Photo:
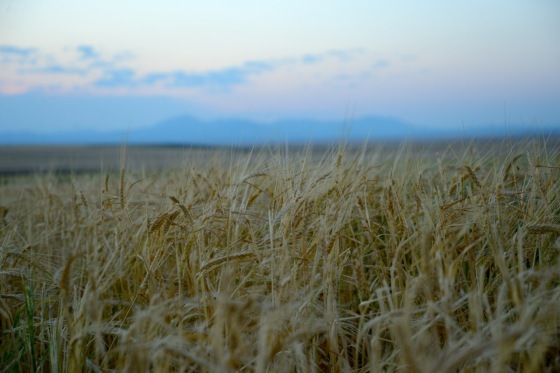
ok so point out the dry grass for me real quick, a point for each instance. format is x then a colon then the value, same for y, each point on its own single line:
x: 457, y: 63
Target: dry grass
x: 343, y: 260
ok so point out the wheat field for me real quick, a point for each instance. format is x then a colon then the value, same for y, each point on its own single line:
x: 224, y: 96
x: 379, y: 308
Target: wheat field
x: 408, y: 258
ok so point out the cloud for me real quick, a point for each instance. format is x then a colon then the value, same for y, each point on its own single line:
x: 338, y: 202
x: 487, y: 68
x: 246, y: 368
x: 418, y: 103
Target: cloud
x: 87, y: 52
x: 16, y: 51
x: 310, y: 59
x: 83, y: 60
x: 95, y: 70
x: 117, y: 78
x: 10, y: 54
x: 59, y: 69
x: 224, y: 78
x: 217, y: 79
x: 257, y: 67
x: 88, y: 68
x: 343, y: 55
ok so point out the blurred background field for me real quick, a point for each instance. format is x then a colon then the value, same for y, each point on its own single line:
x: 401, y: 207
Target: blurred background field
x: 78, y: 159
x: 29, y: 159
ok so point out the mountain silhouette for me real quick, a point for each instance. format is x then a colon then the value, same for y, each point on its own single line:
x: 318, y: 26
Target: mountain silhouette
x: 240, y: 131
x: 189, y: 130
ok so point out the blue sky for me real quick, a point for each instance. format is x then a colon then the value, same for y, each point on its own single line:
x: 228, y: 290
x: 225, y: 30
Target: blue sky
x: 103, y: 64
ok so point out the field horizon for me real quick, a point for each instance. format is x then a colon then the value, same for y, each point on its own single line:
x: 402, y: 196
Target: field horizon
x: 21, y: 159
x: 398, y: 256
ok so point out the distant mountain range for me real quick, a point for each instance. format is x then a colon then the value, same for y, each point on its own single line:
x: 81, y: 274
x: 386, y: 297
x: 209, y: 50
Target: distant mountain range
x: 238, y: 131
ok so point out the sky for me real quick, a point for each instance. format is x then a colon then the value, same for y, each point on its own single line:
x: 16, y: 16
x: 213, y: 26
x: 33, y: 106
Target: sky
x: 105, y: 64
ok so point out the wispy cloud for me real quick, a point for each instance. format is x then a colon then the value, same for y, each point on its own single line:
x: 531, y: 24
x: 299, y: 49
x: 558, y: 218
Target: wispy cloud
x: 343, y: 55
x: 10, y: 54
x: 16, y: 51
x: 223, y: 79
x: 59, y: 70
x: 80, y: 60
x: 311, y: 59
x: 86, y: 67
x: 117, y: 78
x: 219, y: 78
x: 87, y: 52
